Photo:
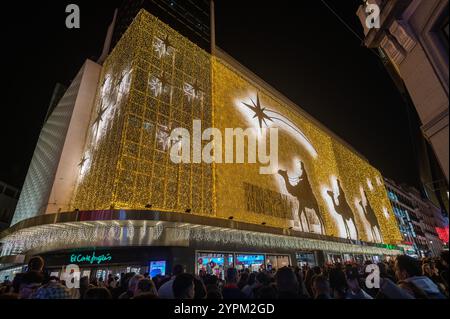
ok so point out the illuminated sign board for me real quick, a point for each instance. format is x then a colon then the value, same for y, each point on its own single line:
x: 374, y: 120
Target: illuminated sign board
x: 157, y: 268
x: 90, y: 258
x: 250, y: 259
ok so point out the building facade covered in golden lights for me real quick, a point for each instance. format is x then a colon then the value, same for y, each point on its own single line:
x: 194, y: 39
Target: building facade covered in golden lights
x: 114, y: 191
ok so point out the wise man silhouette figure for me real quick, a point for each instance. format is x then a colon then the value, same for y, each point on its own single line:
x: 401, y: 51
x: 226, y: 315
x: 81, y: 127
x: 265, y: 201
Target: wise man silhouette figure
x: 370, y: 216
x: 305, y: 196
x: 344, y: 210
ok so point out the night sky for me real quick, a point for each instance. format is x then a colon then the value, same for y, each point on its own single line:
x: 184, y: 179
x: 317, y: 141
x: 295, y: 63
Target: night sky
x: 303, y: 51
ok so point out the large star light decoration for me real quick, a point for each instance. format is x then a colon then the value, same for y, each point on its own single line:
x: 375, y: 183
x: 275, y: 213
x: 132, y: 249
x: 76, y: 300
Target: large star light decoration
x: 82, y: 162
x: 99, y: 117
x: 259, y: 111
x: 193, y: 91
x: 163, y: 46
x: 269, y: 118
x: 158, y: 83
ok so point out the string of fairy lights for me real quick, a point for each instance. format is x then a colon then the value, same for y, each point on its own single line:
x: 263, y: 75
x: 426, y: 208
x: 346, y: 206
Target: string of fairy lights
x: 334, y: 162
x: 112, y: 233
x: 169, y: 87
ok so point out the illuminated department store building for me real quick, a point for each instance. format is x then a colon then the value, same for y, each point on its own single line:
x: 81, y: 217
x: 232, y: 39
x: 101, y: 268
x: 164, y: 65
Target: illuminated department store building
x: 102, y: 183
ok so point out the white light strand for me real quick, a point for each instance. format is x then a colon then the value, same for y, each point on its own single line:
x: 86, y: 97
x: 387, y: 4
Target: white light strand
x: 43, y: 237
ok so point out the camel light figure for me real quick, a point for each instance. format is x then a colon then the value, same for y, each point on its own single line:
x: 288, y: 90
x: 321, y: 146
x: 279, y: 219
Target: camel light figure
x: 344, y: 210
x: 304, y: 194
x: 369, y: 213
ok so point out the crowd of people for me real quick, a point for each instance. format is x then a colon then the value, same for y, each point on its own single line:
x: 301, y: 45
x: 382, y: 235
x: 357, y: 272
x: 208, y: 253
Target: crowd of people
x: 400, y: 278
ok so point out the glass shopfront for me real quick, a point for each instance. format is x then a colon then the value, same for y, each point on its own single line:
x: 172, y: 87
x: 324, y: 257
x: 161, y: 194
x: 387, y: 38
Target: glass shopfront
x: 102, y: 272
x: 306, y: 259
x: 214, y: 263
x: 253, y: 263
x: 9, y: 274
x: 376, y: 259
x: 351, y: 258
x: 274, y: 262
x: 101, y: 263
x: 334, y: 258
x: 359, y: 259
x: 348, y: 258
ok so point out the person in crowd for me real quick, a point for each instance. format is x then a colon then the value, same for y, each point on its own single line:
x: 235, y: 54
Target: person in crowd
x: 243, y: 279
x: 385, y: 272
x: 410, y: 278
x: 94, y: 282
x: 247, y: 290
x: 354, y: 290
x: 25, y: 288
x: 268, y: 292
x: 211, y: 280
x: 213, y: 291
x: 183, y: 286
x: 308, y: 280
x: 302, y: 291
x: 145, y: 286
x: 31, y: 282
x: 202, y: 274
x: 321, y: 287
x: 6, y: 288
x: 338, y: 283
x: 390, y: 290
x: 199, y: 289
x: 17, y: 281
x: 132, y: 287
x: 262, y: 279
x: 430, y: 270
x: 110, y: 282
x: 54, y: 289
x: 310, y: 273
x: 166, y: 289
x: 444, y: 261
x: 122, y: 285
x: 231, y: 289
x: 36, y: 263
x: 287, y: 284
x: 84, y: 286
x: 97, y: 293
x: 157, y: 280
x: 101, y: 282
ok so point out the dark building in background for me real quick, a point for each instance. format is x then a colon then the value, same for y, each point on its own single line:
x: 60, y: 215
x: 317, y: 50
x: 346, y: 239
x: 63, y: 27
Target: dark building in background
x: 8, y: 201
x: 191, y: 18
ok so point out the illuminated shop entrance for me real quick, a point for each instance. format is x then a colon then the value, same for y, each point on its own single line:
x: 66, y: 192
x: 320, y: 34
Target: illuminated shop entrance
x: 214, y: 263
x: 102, y: 273
x: 306, y: 259
x: 333, y: 258
x: 276, y: 262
